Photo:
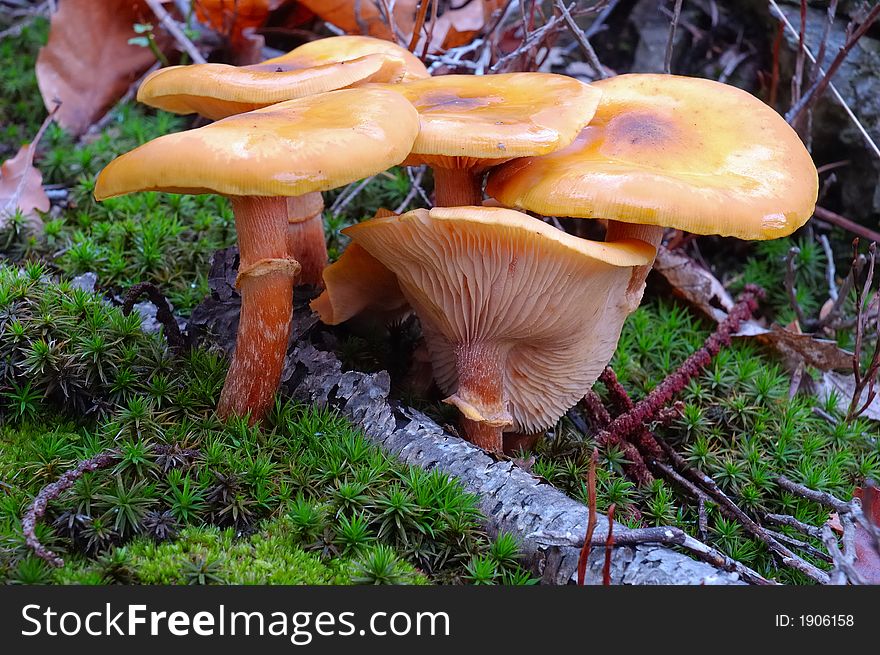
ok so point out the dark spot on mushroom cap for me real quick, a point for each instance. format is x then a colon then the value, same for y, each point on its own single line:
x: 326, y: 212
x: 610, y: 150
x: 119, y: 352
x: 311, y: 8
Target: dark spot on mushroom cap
x: 441, y: 100
x: 643, y: 129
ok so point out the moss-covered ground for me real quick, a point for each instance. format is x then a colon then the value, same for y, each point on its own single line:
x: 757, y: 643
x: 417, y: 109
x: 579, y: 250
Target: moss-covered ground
x: 305, y: 498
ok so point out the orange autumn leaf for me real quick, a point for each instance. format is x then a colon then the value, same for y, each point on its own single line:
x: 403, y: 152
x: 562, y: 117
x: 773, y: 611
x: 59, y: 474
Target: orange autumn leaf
x: 364, y: 17
x: 21, y: 185
x: 232, y: 17
x: 88, y: 63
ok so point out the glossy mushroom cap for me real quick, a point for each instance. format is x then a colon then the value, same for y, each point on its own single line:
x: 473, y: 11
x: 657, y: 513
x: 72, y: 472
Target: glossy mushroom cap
x: 289, y: 149
x: 470, y: 121
x: 519, y: 317
x: 219, y: 90
x: 672, y: 151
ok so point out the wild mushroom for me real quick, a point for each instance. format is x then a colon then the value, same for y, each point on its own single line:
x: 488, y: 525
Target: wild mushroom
x: 669, y: 151
x: 257, y: 159
x: 519, y: 317
x: 217, y: 90
x: 472, y: 122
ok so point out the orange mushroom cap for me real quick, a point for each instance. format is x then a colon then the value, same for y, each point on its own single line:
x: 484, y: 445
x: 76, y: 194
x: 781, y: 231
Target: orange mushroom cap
x: 471, y: 121
x: 673, y: 151
x: 219, y: 90
x: 510, y: 297
x: 289, y: 149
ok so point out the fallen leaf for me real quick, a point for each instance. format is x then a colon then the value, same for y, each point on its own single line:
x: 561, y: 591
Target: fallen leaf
x: 232, y: 18
x: 88, y: 63
x: 364, y: 17
x: 458, y: 27
x: 823, y: 354
x: 694, y: 284
x: 844, y: 386
x: 21, y: 185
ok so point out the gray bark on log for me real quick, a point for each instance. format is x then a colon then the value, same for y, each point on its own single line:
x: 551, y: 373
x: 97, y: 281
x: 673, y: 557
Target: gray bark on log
x: 550, y: 525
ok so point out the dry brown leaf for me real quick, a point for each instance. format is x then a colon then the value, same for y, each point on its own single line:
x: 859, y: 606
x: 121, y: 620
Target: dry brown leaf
x: 693, y: 283
x: 21, y: 185
x: 823, y: 354
x: 88, y: 63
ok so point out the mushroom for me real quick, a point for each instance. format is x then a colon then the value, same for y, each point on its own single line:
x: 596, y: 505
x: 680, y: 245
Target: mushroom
x: 669, y: 151
x: 217, y: 90
x: 257, y: 159
x: 472, y: 122
x: 519, y: 317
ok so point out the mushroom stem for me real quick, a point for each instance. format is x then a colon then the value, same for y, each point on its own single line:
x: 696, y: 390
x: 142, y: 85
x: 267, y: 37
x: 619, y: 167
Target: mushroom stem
x: 652, y: 234
x: 480, y: 395
x: 265, y: 279
x: 305, y: 236
x: 457, y: 187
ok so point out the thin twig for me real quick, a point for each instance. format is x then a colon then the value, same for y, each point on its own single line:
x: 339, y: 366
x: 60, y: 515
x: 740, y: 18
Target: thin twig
x: 839, y: 98
x: 50, y: 492
x: 815, y: 92
x: 847, y: 224
x: 670, y: 43
x: 581, y: 38
x: 176, y: 33
x: 609, y: 547
x: 790, y: 288
x: 592, y: 519
x: 670, y: 536
x: 163, y: 311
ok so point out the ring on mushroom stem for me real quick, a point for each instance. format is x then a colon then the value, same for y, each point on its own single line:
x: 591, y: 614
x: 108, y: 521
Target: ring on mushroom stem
x: 218, y: 91
x: 258, y: 159
x: 470, y: 123
x: 519, y: 317
x: 670, y: 151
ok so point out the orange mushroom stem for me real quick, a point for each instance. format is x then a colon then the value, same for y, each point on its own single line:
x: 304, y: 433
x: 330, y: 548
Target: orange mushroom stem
x: 457, y: 187
x: 266, y: 275
x: 480, y: 396
x: 305, y: 236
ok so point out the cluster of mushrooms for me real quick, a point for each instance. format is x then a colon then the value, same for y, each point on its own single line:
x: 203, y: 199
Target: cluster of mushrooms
x: 519, y: 317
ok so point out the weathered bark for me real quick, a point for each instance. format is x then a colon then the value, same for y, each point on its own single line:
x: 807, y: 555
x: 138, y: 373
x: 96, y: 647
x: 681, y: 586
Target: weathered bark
x: 550, y: 525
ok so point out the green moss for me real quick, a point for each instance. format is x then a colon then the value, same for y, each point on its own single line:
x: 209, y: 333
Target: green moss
x: 21, y: 107
x: 738, y: 424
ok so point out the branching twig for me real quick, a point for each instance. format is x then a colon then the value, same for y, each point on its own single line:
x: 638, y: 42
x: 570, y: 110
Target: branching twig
x: 582, y: 39
x: 669, y: 536
x: 174, y: 30
x: 778, y: 13
x: 163, y: 310
x: 647, y: 409
x: 815, y: 92
x: 52, y: 491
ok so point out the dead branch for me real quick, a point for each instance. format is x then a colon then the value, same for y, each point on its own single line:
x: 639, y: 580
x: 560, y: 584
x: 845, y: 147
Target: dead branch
x: 581, y: 38
x: 846, y: 223
x: 591, y: 522
x: 163, y: 311
x: 176, y: 33
x: 818, y: 89
x: 670, y: 43
x: 675, y: 537
x: 37, y: 508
